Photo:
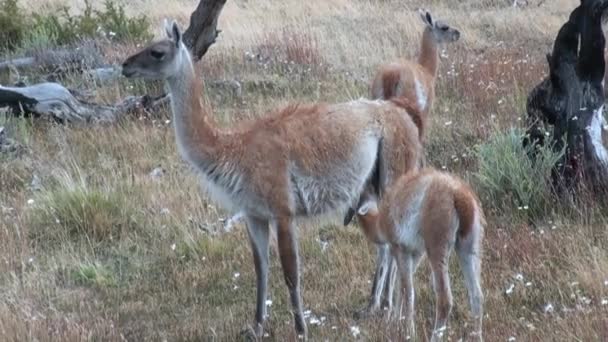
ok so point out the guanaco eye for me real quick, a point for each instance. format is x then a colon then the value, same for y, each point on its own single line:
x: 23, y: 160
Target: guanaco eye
x: 444, y: 28
x: 157, y: 54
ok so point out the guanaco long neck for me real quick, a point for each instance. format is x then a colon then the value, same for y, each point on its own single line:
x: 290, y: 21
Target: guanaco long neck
x: 197, y: 137
x: 429, y: 52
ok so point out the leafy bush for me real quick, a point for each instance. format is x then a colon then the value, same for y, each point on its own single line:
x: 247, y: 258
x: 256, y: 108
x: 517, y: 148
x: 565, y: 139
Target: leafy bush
x: 508, y: 178
x: 59, y: 27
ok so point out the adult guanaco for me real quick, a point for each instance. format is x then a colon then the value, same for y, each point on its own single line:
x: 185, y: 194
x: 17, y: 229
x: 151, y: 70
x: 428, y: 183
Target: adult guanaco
x: 415, y: 80
x: 301, y: 161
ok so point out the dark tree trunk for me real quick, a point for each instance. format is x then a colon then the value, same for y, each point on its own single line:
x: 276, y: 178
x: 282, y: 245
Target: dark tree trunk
x: 571, y: 102
x: 202, y: 32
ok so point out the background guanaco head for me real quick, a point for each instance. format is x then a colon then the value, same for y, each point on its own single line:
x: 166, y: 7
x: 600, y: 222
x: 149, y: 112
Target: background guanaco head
x: 442, y: 32
x: 160, y: 60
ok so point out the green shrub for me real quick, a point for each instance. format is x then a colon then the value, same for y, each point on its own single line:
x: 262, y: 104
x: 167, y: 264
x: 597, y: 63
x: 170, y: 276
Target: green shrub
x: 59, y: 27
x: 508, y: 178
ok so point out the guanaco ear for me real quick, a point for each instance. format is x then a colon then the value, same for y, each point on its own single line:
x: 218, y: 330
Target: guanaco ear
x: 426, y: 17
x: 369, y: 207
x: 173, y: 31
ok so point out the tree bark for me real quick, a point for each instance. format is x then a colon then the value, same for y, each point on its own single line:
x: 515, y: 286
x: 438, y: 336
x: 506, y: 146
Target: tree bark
x: 202, y: 32
x: 570, y: 102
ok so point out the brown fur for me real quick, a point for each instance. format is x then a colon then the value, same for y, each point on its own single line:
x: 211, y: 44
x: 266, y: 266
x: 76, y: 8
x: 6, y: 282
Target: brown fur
x: 439, y: 200
x: 413, y: 110
x: 257, y: 166
x: 397, y: 79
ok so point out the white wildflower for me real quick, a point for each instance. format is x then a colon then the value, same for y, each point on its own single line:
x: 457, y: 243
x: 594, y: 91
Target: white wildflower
x: 509, y: 290
x: 30, y: 201
x: 548, y: 308
x: 355, y: 331
x: 268, y: 302
x: 173, y: 247
x: 448, y: 123
x: 157, y: 173
x: 236, y: 275
x: 511, y: 339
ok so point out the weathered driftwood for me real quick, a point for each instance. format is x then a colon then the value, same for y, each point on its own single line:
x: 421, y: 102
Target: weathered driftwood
x: 54, y: 101
x: 570, y: 101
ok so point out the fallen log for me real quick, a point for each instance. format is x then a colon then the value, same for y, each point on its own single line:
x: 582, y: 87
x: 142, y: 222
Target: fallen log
x: 54, y: 101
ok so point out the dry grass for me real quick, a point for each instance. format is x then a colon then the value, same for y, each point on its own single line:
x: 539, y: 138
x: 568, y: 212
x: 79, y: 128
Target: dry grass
x: 102, y: 250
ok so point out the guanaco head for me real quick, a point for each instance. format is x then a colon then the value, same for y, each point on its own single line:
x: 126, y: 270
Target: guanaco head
x: 369, y: 217
x: 161, y: 59
x: 441, y: 31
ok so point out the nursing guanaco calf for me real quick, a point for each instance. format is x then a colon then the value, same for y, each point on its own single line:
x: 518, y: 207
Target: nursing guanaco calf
x: 430, y: 212
x: 301, y: 161
x: 415, y: 80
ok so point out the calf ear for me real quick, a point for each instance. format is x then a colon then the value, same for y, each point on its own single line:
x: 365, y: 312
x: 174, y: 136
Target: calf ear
x: 369, y: 207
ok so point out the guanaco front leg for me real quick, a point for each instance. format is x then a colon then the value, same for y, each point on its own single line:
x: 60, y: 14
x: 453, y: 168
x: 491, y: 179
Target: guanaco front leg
x: 288, y: 251
x: 258, y: 235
